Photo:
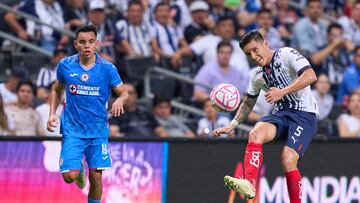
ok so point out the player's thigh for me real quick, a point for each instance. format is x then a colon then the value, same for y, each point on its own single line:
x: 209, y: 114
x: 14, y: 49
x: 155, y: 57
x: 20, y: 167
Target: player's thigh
x: 72, y: 152
x: 262, y: 132
x: 301, y: 130
x: 97, y: 154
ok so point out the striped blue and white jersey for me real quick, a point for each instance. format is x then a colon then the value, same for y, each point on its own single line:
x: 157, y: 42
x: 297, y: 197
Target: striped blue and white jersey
x: 285, y: 67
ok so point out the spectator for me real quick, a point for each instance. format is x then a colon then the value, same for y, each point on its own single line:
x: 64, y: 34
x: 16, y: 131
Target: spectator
x: 50, y: 12
x: 201, y: 24
x: 349, y: 123
x: 206, y: 46
x: 310, y: 31
x: 47, y: 75
x: 27, y: 121
x: 6, y: 122
x: 106, y: 29
x: 180, y: 12
x: 219, y: 71
x: 217, y: 10
x: 134, y: 33
x: 75, y: 14
x: 261, y: 108
x: 172, y: 124
x: 211, y: 121
x: 351, y: 79
x: 321, y: 94
x: 3, y: 25
x: 8, y: 89
x: 285, y: 20
x: 335, y: 56
x: 44, y: 111
x: 136, y: 121
x: 352, y: 25
x: 265, y: 26
x: 167, y: 38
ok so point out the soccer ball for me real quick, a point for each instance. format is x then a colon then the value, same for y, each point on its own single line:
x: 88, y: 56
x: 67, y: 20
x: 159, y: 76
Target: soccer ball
x: 225, y: 97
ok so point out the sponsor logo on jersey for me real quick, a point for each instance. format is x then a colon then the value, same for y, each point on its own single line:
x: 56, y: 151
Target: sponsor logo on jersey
x: 72, y: 88
x: 84, y: 77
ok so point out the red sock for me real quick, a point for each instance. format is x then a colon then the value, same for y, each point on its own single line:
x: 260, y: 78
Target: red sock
x: 253, y: 161
x: 293, y: 180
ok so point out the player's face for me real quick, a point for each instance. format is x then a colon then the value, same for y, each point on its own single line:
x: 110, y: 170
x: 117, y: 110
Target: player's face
x: 258, y: 52
x: 86, y: 44
x: 25, y: 94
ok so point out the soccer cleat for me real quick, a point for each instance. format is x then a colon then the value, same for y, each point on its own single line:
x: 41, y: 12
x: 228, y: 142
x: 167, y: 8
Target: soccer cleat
x: 81, y: 179
x: 241, y: 186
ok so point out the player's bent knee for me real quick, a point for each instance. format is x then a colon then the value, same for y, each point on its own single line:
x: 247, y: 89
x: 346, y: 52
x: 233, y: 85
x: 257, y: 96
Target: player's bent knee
x: 254, y: 136
x: 69, y: 177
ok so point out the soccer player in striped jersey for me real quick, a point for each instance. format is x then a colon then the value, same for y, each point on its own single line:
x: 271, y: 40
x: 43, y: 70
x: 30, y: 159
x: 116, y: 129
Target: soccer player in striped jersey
x: 285, y: 75
x: 87, y: 79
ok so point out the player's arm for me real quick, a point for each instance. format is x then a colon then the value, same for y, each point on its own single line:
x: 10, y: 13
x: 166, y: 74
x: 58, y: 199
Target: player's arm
x: 241, y: 115
x: 118, y: 106
x: 55, y: 96
x: 306, y: 78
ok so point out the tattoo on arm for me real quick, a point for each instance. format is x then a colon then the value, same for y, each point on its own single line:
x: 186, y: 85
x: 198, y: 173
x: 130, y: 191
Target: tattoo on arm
x: 245, y: 109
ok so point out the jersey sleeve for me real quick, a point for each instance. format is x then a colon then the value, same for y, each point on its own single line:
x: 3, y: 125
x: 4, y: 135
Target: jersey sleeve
x: 254, y: 86
x: 60, y: 72
x: 115, y: 79
x: 295, y: 60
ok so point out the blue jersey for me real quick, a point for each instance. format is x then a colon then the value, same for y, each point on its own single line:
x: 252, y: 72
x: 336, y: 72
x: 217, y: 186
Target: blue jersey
x: 87, y: 92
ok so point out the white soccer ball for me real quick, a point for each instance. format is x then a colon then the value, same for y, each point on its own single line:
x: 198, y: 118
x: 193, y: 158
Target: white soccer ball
x: 225, y: 97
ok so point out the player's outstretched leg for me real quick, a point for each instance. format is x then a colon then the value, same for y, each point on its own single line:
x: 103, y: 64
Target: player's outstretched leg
x: 95, y: 192
x: 263, y: 132
x: 81, y: 179
x: 289, y: 160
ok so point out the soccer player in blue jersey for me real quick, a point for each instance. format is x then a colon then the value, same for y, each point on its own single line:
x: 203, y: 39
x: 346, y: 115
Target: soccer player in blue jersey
x: 87, y: 79
x: 285, y: 75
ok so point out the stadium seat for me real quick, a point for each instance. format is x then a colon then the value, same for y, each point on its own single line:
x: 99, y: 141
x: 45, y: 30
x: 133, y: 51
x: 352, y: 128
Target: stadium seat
x: 5, y: 65
x: 31, y: 61
x: 136, y: 67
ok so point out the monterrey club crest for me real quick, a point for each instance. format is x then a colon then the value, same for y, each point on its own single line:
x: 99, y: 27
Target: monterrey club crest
x: 72, y: 89
x: 84, y: 77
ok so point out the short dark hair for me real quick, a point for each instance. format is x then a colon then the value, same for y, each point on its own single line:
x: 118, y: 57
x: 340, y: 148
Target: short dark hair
x: 248, y: 37
x: 224, y: 43
x: 312, y: 1
x: 265, y: 11
x: 158, y: 99
x: 332, y: 26
x: 356, y: 49
x: 86, y: 28
x: 25, y: 82
x: 160, y: 4
x: 135, y: 2
x: 224, y: 18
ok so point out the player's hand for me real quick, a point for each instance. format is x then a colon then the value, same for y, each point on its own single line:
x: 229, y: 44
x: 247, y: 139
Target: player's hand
x: 225, y: 130
x: 117, y: 108
x: 52, y: 123
x: 274, y: 95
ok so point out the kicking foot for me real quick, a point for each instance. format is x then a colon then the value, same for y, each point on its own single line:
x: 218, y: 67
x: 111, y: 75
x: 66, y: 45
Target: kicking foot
x: 81, y: 179
x: 241, y: 186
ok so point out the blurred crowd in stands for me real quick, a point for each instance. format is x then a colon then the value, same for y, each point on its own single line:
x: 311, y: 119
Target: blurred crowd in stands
x: 193, y: 38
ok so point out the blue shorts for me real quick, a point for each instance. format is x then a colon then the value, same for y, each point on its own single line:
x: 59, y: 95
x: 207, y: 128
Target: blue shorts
x: 298, y: 128
x: 73, y: 149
